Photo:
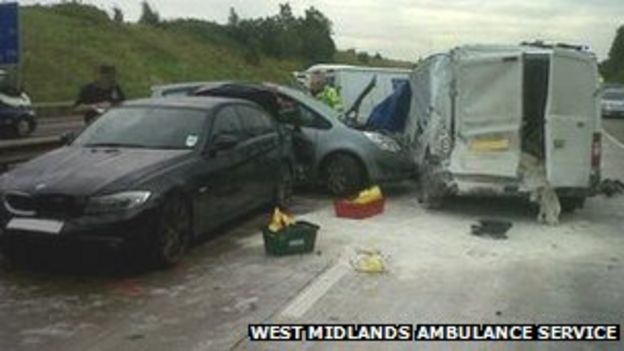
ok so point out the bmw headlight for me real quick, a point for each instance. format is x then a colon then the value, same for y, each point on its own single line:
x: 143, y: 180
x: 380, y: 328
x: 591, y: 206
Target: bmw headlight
x: 117, y: 202
x: 383, y: 142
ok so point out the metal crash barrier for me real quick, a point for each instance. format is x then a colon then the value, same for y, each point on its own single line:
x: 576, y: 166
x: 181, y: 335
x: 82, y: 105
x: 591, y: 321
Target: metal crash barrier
x: 17, y: 151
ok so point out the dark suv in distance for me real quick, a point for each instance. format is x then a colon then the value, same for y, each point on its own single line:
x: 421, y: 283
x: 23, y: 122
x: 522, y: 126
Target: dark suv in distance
x: 17, y: 116
x: 149, y: 176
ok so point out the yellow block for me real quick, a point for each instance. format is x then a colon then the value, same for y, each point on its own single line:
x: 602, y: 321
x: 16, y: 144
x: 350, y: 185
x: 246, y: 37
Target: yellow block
x: 494, y: 144
x: 279, y: 220
x: 368, y: 195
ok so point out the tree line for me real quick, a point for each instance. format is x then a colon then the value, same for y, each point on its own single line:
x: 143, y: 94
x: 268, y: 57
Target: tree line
x: 612, y: 69
x: 283, y: 35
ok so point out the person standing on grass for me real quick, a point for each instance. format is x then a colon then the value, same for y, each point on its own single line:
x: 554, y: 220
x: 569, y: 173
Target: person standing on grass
x: 100, y: 95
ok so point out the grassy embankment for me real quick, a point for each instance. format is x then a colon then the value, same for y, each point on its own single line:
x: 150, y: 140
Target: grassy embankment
x: 62, y: 45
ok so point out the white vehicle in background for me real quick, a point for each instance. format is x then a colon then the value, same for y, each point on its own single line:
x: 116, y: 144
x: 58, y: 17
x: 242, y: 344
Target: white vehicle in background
x: 352, y: 81
x: 507, y: 120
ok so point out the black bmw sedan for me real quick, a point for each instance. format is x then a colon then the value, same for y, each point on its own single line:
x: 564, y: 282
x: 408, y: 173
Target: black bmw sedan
x: 150, y: 175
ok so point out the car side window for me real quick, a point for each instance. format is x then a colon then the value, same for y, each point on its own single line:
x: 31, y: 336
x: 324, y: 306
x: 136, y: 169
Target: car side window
x: 226, y: 122
x: 254, y: 121
x: 292, y: 112
x: 306, y: 116
x: 312, y: 120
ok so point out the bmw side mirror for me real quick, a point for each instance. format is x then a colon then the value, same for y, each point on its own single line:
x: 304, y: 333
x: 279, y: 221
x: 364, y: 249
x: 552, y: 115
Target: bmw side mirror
x: 68, y: 137
x: 223, y: 142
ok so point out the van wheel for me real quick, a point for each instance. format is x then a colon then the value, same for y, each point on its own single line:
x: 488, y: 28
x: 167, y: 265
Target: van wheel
x: 432, y: 189
x: 284, y: 188
x: 174, y: 232
x: 571, y: 203
x: 344, y: 175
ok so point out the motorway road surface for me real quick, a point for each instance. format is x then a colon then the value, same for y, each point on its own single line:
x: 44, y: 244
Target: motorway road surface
x: 436, y: 272
x: 615, y: 127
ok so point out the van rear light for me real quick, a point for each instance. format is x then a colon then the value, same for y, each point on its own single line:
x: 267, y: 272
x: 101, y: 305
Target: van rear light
x: 596, y: 154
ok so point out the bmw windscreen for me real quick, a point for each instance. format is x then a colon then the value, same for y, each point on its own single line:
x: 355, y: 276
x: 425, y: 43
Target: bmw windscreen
x: 146, y: 127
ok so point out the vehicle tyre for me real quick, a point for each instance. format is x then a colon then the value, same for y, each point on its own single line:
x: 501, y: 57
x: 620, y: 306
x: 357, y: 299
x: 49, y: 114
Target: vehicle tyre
x: 23, y: 128
x: 571, y: 203
x: 344, y: 175
x: 284, y: 189
x: 432, y: 188
x: 174, y: 232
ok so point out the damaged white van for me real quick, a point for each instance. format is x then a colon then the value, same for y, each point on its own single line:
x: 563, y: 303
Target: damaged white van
x: 517, y: 120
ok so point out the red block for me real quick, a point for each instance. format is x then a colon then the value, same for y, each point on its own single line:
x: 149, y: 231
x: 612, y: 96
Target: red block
x: 347, y: 209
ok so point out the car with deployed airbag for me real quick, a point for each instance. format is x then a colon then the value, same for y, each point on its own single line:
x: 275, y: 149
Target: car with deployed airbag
x: 149, y: 176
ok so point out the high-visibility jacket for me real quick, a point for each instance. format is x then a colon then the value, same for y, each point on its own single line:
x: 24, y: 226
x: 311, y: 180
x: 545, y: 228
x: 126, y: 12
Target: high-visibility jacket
x: 329, y: 95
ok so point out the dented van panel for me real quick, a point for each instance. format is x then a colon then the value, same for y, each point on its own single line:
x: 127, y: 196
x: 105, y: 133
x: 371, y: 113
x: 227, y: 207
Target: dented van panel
x: 507, y: 120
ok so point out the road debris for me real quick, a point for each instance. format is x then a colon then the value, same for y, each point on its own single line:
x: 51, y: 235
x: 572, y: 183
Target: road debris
x: 367, y: 203
x: 610, y: 187
x: 135, y: 336
x: 541, y: 191
x: 280, y: 220
x: 492, y: 228
x: 368, y: 261
x: 285, y: 236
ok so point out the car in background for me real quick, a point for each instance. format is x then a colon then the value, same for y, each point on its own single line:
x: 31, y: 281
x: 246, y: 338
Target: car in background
x: 17, y: 116
x: 612, y: 103
x: 327, y: 151
x: 149, y: 176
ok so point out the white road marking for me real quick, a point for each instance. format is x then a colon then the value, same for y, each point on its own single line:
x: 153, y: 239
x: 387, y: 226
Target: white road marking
x: 613, y: 139
x: 302, y: 303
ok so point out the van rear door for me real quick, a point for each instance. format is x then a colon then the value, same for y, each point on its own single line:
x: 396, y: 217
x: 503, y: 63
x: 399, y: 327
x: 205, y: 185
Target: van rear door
x: 571, y: 118
x: 488, y: 110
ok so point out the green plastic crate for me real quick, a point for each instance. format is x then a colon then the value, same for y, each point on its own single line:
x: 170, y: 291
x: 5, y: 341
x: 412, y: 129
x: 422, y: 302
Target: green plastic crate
x: 297, y: 238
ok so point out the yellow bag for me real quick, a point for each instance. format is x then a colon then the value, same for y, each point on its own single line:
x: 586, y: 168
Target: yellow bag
x: 368, y: 195
x: 369, y: 262
x: 279, y: 220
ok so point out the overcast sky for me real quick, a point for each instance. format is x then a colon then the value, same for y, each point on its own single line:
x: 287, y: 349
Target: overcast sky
x: 409, y: 29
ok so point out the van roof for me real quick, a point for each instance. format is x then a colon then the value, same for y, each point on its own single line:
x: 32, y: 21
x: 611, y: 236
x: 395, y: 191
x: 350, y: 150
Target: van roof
x: 523, y: 48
